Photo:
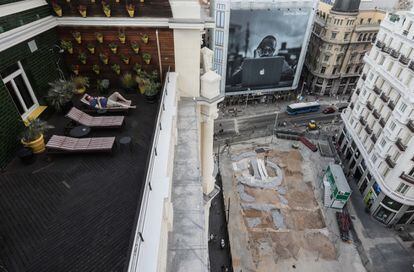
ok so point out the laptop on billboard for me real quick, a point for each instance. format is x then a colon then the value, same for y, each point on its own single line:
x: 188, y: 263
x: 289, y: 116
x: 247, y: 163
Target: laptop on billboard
x: 262, y: 71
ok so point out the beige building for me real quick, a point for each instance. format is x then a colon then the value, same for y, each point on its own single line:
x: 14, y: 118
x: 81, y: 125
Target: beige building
x: 342, y: 35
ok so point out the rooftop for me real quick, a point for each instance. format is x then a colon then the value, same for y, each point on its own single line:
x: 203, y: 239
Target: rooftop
x: 76, y: 212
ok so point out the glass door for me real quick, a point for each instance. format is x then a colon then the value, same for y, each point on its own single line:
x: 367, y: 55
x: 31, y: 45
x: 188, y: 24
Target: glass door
x: 20, y: 90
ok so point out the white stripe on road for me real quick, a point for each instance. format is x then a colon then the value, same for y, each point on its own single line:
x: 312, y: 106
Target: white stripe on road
x: 236, y: 126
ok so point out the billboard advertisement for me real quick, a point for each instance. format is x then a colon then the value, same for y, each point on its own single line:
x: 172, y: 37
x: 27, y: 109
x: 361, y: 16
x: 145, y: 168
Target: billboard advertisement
x: 266, y: 48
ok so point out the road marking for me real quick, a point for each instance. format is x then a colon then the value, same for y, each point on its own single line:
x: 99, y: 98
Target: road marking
x: 236, y: 126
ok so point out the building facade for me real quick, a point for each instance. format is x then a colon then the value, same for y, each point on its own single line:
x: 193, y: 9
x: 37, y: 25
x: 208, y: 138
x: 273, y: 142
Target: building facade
x: 342, y: 34
x: 377, y: 142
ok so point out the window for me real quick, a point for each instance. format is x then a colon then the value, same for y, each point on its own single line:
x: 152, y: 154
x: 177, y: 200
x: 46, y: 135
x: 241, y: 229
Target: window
x: 374, y: 158
x: 392, y: 125
x: 333, y: 35
x: 323, y: 69
x: 326, y: 58
x: 369, y: 20
x: 386, y: 171
x: 220, y: 18
x: 346, y: 36
x: 329, y: 46
x: 402, y: 188
x: 219, y: 37
x: 334, y: 70
x: 402, y: 107
x: 348, y: 69
x: 411, y: 173
x: 383, y: 143
x: 361, y: 21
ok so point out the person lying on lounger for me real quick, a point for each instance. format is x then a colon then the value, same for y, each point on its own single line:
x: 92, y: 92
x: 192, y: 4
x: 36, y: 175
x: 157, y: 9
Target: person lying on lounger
x: 115, y: 100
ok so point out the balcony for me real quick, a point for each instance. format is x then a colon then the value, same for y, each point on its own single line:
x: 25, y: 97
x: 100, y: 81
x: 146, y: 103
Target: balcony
x: 391, y: 105
x: 376, y: 114
x: 377, y: 90
x: 405, y: 32
x: 369, y: 106
x: 379, y: 44
x: 386, y: 49
x: 373, y: 138
x: 382, y: 122
x: 358, y: 91
x: 411, y: 66
x: 407, y: 178
x: 390, y: 162
x: 384, y: 97
x: 410, y: 125
x: 394, y: 53
x: 404, y: 60
x: 364, y: 77
x: 368, y: 130
x: 362, y: 121
x: 401, y: 146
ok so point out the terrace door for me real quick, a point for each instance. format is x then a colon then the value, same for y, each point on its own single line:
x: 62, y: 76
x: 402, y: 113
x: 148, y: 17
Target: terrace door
x: 20, y: 90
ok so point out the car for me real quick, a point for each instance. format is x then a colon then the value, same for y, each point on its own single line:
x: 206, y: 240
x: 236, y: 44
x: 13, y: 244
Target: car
x: 312, y: 125
x: 329, y: 110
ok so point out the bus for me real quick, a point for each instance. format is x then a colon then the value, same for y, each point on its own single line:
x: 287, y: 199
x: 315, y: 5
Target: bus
x: 298, y: 108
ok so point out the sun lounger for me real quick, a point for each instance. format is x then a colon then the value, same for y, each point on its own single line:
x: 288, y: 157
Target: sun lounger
x: 63, y: 144
x: 95, y: 122
x: 109, y: 109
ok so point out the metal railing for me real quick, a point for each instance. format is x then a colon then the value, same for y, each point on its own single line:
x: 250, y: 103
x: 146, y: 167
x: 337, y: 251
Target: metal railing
x: 142, y: 215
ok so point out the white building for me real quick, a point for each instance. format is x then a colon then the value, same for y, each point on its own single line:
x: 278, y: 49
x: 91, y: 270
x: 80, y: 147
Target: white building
x: 377, y: 142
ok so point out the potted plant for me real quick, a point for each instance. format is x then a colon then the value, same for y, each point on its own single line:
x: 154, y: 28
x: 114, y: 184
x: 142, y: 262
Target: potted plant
x: 80, y: 84
x: 91, y: 48
x: 60, y: 95
x: 67, y: 45
x: 121, y: 37
x: 130, y: 8
x: 99, y: 37
x: 128, y: 82
x: 144, y: 38
x: 102, y: 86
x: 106, y: 9
x: 33, y: 135
x: 152, y: 88
x: 57, y: 9
x: 75, y: 69
x: 135, y: 47
x: 146, y: 57
x: 104, y: 58
x: 96, y: 69
x: 77, y: 36
x: 116, y: 68
x: 125, y: 59
x: 82, y: 57
x: 114, y: 47
x: 137, y: 68
x: 82, y: 10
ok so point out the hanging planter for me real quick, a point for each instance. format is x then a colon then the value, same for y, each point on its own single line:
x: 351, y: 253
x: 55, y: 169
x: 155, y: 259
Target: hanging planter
x: 137, y: 68
x: 82, y: 10
x: 146, y: 57
x: 135, y: 47
x: 57, y: 9
x: 113, y: 47
x: 130, y: 8
x: 116, y: 68
x: 106, y: 9
x: 144, y: 38
x: 92, y: 1
x: 67, y: 45
x: 77, y: 36
x: 121, y: 37
x: 82, y: 57
x: 75, y: 69
x: 99, y: 37
x: 96, y: 69
x: 91, y: 48
x: 104, y: 58
x: 125, y: 59
x: 142, y: 1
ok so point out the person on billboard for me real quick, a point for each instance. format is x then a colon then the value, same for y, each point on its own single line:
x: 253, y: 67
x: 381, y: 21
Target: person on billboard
x: 266, y: 48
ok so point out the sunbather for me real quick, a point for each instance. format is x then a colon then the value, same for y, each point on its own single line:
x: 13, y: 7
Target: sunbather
x: 114, y: 100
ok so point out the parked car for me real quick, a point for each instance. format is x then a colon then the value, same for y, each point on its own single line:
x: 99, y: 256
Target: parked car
x: 329, y: 110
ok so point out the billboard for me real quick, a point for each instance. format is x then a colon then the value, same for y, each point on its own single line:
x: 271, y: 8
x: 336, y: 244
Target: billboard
x: 266, y: 48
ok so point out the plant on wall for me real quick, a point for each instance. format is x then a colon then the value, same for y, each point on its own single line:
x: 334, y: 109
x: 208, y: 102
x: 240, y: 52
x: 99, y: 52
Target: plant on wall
x: 113, y: 47
x: 82, y: 57
x: 121, y: 37
x: 135, y: 47
x: 57, y: 9
x: 91, y: 48
x: 137, y: 68
x: 128, y: 82
x: 125, y: 59
x: 130, y: 8
x: 116, y: 68
x: 106, y: 9
x: 146, y: 57
x: 144, y: 38
x: 81, y: 83
x: 75, y: 69
x: 82, y: 10
x: 99, y: 37
x: 96, y: 69
x: 67, y: 45
x: 77, y: 36
x: 102, y: 85
x: 104, y: 58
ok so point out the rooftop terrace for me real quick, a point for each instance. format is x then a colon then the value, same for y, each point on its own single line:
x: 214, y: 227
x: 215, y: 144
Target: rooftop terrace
x: 76, y: 212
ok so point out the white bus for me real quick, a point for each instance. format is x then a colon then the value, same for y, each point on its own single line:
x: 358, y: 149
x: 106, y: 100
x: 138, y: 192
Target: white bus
x: 298, y: 108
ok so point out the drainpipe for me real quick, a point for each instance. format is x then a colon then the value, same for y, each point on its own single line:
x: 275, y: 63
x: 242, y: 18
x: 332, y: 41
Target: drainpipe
x: 159, y: 54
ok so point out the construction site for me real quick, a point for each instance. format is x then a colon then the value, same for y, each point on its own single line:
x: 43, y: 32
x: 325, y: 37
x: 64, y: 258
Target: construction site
x: 276, y: 218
